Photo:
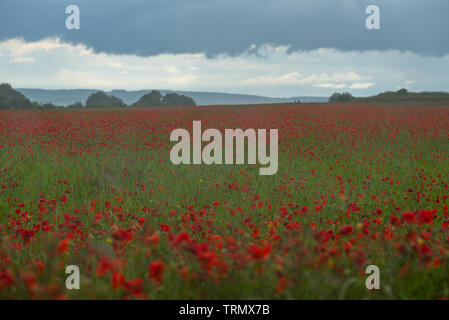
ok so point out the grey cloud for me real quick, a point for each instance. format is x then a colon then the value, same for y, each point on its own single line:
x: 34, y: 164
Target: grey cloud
x: 232, y: 26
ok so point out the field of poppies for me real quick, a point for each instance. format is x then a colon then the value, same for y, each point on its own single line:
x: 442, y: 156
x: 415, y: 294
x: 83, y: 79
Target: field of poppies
x: 357, y: 185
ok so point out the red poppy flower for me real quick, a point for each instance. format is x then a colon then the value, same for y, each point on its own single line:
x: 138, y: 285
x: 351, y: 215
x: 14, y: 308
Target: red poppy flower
x: 104, y: 266
x: 122, y: 235
x: 425, y: 217
x: 182, y: 237
x: 134, y: 286
x: 165, y: 227
x: 156, y: 271
x: 395, y: 221
x: 118, y: 280
x: 63, y: 246
x: 258, y: 253
x: 408, y: 217
x: 141, y: 221
x: 346, y: 230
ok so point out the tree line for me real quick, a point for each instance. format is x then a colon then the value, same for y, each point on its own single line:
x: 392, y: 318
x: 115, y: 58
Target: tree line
x: 401, y: 95
x: 13, y: 99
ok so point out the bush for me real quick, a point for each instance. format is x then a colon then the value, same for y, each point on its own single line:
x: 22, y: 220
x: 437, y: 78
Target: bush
x: 75, y: 106
x: 48, y: 106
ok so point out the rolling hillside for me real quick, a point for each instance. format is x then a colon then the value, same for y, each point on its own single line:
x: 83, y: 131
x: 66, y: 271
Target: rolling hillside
x: 66, y: 97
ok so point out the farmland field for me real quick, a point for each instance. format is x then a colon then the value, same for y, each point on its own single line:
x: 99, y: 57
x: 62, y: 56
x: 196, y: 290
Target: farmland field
x: 357, y: 185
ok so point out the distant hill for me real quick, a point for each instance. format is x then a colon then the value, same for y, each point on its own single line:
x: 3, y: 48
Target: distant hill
x: 403, y: 95
x: 71, y: 96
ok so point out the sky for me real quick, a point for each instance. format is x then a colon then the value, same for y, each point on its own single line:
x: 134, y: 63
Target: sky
x: 277, y: 48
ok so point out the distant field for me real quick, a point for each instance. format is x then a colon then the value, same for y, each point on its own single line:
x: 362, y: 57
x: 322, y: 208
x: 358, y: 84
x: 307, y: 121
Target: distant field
x: 357, y: 184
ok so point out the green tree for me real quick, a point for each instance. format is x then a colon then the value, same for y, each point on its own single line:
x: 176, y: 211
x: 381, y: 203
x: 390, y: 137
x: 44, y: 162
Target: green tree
x: 340, y: 97
x: 75, y: 106
x: 12, y: 99
x: 5, y: 102
x: 48, y: 106
x: 101, y: 100
x: 152, y: 99
x: 174, y: 99
x: 402, y: 91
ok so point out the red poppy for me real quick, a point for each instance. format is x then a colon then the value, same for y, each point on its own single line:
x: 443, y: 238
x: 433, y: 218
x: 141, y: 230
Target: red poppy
x: 104, y: 266
x: 408, y: 217
x: 281, y: 284
x: 165, y: 227
x: 182, y: 237
x: 122, y: 235
x: 395, y: 221
x: 425, y: 217
x: 141, y: 221
x: 258, y: 253
x: 118, y: 280
x: 134, y: 286
x: 346, y: 230
x: 63, y: 246
x: 156, y: 271
x: 5, y: 279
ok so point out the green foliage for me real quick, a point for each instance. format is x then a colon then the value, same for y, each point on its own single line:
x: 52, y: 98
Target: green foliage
x: 155, y: 99
x: 45, y: 106
x: 152, y: 99
x: 12, y: 99
x: 76, y: 106
x: 403, y: 95
x: 100, y: 100
x: 174, y: 99
x: 5, y: 102
x: 49, y: 106
x: 340, y: 97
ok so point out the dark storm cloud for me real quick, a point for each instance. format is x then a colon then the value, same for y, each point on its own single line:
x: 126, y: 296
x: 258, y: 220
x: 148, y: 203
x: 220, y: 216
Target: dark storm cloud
x: 231, y: 26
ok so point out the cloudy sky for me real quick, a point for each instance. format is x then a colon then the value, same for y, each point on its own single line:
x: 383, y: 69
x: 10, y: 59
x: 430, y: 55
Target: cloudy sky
x: 272, y: 48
